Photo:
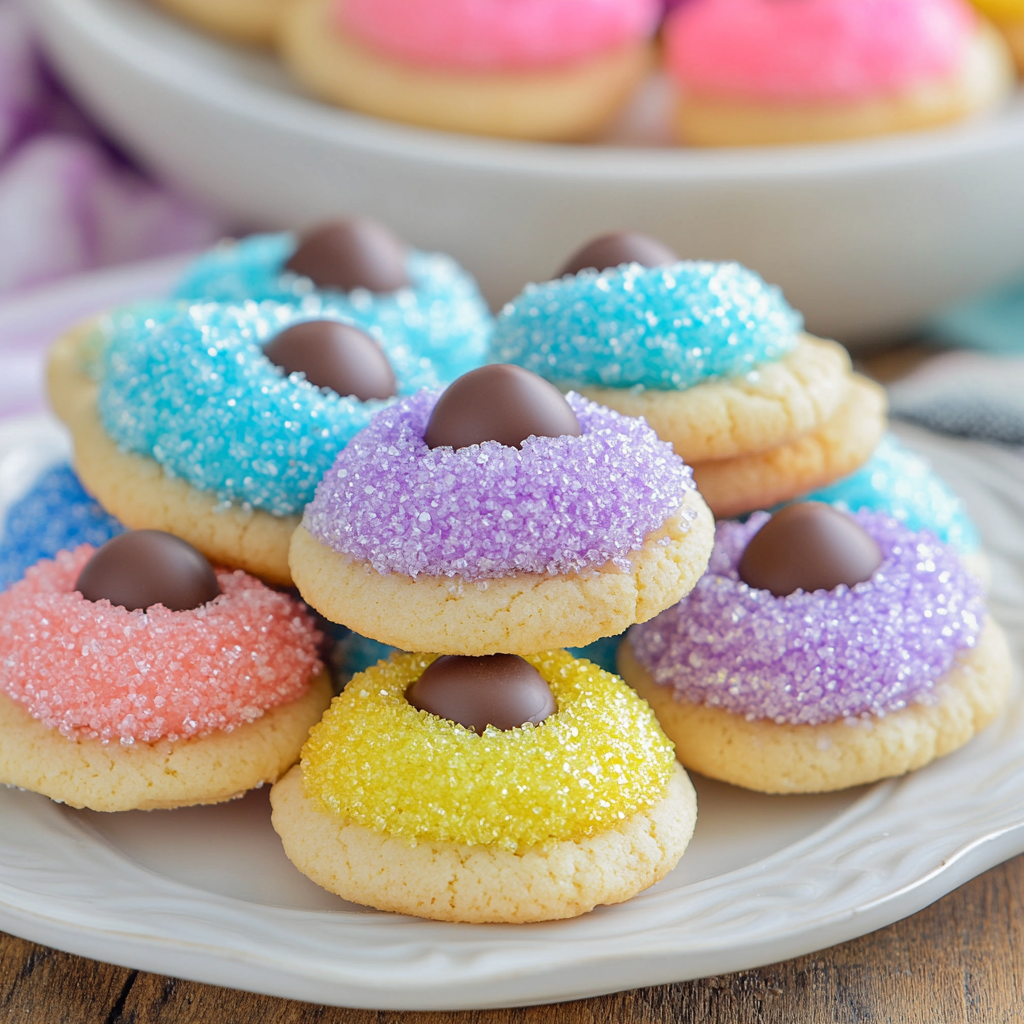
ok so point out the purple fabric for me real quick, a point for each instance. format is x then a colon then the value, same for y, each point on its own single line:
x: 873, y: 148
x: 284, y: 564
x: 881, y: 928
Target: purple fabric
x: 820, y: 657
x: 68, y: 201
x: 561, y: 504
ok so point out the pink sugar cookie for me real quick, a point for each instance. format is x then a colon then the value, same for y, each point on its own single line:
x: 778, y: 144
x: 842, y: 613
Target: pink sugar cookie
x: 493, y: 35
x: 95, y: 671
x: 815, y: 49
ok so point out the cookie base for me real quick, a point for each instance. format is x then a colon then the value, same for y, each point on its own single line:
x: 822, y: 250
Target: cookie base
x: 150, y: 776
x: 1013, y: 33
x: 570, y: 104
x: 447, y: 881
x: 771, y: 758
x: 519, y: 614
x: 136, y: 490
x: 775, y: 404
x: 985, y: 78
x: 253, y: 22
x: 734, y: 486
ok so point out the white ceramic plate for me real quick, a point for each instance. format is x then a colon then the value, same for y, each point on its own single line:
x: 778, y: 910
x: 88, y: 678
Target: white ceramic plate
x: 207, y: 893
x: 867, y: 238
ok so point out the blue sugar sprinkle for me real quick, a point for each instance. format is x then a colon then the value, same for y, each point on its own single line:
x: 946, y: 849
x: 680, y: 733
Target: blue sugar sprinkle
x: 443, y: 316
x: 356, y: 653
x: 666, y: 328
x: 55, y: 515
x: 189, y: 386
x: 600, y: 652
x: 897, y: 481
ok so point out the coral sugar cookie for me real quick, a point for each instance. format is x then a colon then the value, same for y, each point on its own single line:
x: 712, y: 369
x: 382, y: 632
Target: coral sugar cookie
x: 821, y: 651
x: 500, y: 516
x: 496, y: 789
x: 759, y: 72
x: 136, y: 677
x: 534, y: 69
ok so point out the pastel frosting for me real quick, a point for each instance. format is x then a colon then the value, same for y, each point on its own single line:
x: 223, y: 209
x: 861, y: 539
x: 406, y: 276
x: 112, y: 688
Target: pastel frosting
x: 815, y: 50
x: 55, y: 515
x: 377, y: 761
x: 666, y: 328
x: 442, y: 317
x: 806, y: 659
x: 189, y: 386
x: 95, y: 671
x: 901, y: 483
x: 559, y: 505
x: 496, y: 35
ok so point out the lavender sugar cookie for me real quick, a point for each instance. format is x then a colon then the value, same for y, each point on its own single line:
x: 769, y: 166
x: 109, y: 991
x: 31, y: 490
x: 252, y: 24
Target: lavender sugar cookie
x: 431, y: 534
x: 830, y: 683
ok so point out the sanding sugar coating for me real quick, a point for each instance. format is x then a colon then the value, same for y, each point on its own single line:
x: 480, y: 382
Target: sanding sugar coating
x: 666, y: 328
x: 821, y: 657
x: 95, y: 671
x: 443, y: 317
x: 494, y: 35
x: 189, y: 386
x: 815, y: 50
x: 897, y: 481
x: 561, y: 504
x: 377, y: 761
x: 55, y: 515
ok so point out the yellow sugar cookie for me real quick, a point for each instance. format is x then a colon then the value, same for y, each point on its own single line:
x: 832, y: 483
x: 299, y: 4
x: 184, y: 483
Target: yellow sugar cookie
x: 448, y: 881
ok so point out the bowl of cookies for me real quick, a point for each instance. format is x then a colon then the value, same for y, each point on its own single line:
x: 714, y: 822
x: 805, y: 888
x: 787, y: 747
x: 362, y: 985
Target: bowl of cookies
x: 907, y: 193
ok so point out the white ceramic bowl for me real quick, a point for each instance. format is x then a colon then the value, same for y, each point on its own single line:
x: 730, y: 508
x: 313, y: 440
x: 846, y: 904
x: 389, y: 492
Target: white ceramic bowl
x: 868, y: 239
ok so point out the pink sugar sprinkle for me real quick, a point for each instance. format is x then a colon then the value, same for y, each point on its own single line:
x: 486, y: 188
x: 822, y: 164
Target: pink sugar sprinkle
x: 815, y: 49
x: 493, y: 35
x: 95, y: 671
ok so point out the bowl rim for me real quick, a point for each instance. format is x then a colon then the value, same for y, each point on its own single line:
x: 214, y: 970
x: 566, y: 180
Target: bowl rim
x: 296, y: 114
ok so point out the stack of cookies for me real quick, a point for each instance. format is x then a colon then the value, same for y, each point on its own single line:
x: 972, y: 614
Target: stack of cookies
x: 497, y: 778
x: 843, y: 639
x: 713, y: 358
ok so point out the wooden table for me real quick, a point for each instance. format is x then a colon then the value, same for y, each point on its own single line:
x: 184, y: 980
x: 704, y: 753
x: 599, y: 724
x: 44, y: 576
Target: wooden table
x: 960, y: 960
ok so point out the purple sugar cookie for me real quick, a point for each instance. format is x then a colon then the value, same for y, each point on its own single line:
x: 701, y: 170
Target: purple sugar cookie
x: 810, y: 658
x: 430, y: 535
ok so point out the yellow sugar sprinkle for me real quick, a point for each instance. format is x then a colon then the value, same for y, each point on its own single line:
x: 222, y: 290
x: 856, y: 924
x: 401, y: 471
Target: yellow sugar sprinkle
x: 377, y: 761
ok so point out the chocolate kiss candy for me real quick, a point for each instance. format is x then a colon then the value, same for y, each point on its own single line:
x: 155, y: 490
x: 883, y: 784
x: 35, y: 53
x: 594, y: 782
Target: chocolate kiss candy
x: 610, y: 251
x: 502, y: 690
x: 810, y: 546
x: 349, y: 254
x: 146, y: 567
x: 336, y: 356
x: 500, y: 403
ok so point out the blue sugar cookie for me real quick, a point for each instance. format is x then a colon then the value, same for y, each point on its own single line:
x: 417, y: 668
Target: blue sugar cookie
x: 442, y: 316
x: 189, y: 386
x: 663, y: 328
x: 55, y: 515
x: 902, y: 483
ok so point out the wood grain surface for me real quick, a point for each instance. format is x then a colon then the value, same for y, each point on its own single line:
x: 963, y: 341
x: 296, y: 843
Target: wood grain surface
x: 959, y: 960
